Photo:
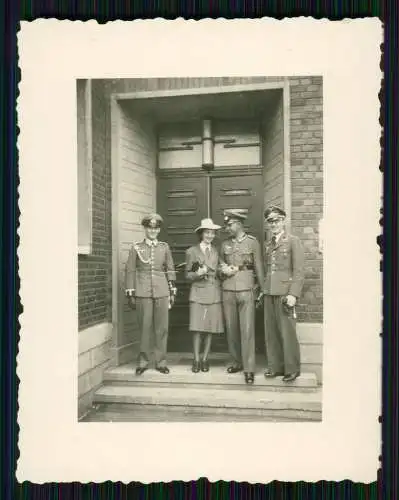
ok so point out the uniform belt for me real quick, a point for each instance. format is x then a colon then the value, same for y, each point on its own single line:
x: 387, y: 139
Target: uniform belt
x: 246, y: 267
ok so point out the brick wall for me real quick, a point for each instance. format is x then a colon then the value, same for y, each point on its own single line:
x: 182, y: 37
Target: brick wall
x: 306, y: 136
x: 95, y: 273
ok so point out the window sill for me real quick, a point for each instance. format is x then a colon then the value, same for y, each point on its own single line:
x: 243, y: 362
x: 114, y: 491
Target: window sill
x: 84, y: 250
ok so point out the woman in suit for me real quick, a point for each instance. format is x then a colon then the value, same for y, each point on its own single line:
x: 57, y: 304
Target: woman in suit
x: 206, y: 317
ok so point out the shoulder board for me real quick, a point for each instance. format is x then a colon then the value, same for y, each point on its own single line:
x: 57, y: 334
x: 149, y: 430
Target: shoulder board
x: 251, y: 237
x: 162, y: 243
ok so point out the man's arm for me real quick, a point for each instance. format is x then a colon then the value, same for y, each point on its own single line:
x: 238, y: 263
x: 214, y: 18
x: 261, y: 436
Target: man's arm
x: 260, y: 275
x: 298, y: 267
x: 130, y: 272
x: 170, y: 271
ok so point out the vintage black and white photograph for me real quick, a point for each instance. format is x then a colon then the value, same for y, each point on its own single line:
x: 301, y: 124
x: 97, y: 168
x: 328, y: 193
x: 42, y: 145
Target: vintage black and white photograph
x: 200, y: 274
x: 200, y: 259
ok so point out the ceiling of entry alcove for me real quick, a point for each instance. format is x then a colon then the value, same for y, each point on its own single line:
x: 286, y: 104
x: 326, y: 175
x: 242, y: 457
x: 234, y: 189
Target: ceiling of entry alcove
x: 228, y: 105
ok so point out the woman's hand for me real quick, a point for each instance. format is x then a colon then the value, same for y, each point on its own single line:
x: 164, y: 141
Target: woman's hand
x: 202, y: 271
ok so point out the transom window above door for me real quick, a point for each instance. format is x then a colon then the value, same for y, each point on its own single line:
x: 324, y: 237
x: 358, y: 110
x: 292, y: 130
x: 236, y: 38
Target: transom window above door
x: 235, y: 143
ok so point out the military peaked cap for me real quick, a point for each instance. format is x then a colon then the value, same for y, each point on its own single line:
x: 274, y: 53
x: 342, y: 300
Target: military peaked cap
x: 273, y: 212
x: 152, y: 220
x: 236, y: 214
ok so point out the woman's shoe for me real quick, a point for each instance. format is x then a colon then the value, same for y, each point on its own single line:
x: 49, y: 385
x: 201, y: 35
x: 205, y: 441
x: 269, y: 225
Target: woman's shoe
x: 196, y: 367
x: 205, y: 366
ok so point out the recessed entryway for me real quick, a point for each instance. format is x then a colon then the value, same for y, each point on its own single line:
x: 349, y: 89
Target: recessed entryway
x: 157, y: 165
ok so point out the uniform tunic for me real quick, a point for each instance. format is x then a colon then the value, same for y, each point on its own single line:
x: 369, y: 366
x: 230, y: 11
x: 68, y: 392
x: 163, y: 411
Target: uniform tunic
x: 284, y: 265
x: 205, y: 293
x: 148, y: 271
x: 239, y: 298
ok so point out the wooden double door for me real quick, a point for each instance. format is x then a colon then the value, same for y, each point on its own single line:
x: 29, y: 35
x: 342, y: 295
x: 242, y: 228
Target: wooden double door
x: 183, y: 201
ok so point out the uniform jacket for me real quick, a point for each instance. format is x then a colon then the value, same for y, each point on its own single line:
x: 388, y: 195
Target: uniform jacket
x: 149, y: 269
x: 284, y: 265
x: 244, y: 253
x: 203, y: 291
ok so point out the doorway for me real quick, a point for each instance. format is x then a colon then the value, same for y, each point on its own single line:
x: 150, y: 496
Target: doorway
x: 153, y: 171
x: 182, y: 201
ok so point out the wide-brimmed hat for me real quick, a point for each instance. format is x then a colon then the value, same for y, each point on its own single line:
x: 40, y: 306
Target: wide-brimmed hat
x: 207, y: 224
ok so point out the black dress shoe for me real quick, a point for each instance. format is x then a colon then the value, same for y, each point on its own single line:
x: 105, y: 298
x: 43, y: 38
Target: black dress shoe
x: 290, y: 377
x: 196, y: 367
x: 234, y: 369
x: 205, y: 366
x: 162, y: 369
x: 272, y: 374
x: 141, y: 369
x: 249, y: 378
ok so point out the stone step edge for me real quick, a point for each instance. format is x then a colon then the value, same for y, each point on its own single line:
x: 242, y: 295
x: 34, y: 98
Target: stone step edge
x: 150, y: 413
x: 217, y: 384
x: 305, y: 380
x: 258, y: 388
x: 103, y: 395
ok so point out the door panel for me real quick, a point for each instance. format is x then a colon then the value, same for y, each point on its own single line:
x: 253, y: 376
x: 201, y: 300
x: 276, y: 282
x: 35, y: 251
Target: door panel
x: 244, y: 192
x: 182, y: 204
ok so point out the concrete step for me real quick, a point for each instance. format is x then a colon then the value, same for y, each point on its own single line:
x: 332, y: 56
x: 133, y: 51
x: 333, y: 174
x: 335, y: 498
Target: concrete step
x: 120, y: 412
x: 217, y: 378
x: 299, y: 404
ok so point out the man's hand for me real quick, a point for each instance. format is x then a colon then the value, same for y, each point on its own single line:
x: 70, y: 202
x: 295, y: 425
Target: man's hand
x: 259, y: 300
x: 172, y: 299
x: 131, y: 300
x: 291, y: 300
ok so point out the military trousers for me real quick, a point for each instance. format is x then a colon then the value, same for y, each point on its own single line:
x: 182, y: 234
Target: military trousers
x: 239, y: 313
x: 153, y: 322
x: 282, y: 346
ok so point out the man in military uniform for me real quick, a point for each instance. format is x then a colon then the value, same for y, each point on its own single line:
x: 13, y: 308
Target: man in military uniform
x: 241, y: 264
x: 284, y: 265
x: 150, y: 287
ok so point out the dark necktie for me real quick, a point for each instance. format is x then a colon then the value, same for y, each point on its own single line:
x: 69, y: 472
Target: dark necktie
x: 273, y: 241
x: 207, y: 253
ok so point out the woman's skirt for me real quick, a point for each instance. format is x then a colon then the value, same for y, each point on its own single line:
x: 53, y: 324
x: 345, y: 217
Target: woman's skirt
x: 207, y: 318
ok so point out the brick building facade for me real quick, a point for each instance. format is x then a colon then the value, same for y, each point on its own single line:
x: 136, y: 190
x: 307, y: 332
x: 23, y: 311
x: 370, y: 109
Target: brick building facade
x: 294, y: 132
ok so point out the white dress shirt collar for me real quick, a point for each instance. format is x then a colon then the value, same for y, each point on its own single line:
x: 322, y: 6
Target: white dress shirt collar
x: 205, y: 246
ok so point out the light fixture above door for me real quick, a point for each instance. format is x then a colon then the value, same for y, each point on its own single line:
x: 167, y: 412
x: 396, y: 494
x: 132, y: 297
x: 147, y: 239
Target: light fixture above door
x: 207, y: 146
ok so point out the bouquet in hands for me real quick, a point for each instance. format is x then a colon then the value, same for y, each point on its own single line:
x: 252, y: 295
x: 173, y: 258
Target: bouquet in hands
x: 201, y: 269
x: 228, y: 270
